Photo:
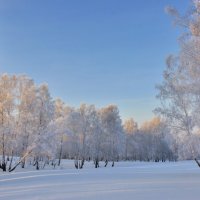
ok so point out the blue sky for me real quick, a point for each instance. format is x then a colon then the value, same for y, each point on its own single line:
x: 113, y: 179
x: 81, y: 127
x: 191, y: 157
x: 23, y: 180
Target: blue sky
x: 94, y: 51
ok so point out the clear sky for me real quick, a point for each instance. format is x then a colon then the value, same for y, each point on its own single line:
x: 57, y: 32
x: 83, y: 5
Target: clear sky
x: 93, y: 51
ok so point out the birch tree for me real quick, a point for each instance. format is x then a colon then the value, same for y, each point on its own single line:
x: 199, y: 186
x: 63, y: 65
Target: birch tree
x: 179, y: 93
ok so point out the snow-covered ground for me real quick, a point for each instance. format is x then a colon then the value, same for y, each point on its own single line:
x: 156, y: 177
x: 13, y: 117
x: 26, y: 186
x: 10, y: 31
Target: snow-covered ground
x: 126, y: 181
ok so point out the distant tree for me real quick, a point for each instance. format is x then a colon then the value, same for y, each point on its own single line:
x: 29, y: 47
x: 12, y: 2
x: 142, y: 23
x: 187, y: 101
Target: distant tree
x: 45, y: 114
x: 7, y: 108
x: 61, y: 127
x: 130, y: 128
x: 113, y: 133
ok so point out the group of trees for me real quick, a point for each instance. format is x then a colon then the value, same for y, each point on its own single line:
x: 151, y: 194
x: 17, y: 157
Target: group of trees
x: 39, y: 130
x: 152, y: 142
x: 25, y: 113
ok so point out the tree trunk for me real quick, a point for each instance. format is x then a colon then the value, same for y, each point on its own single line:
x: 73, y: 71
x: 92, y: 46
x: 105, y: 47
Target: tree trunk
x: 3, y: 166
x: 4, y: 163
x: 76, y: 164
x: 11, y: 160
x: 81, y: 163
x: 96, y: 163
x: 19, y: 162
x: 106, y: 163
x: 198, y: 163
x: 60, y: 153
x: 37, y: 164
x: 23, y: 163
x: 113, y: 163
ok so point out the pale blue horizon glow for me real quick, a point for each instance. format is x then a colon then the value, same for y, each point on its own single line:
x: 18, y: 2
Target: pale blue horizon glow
x: 97, y: 52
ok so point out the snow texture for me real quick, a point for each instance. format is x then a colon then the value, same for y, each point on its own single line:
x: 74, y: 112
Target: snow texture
x: 127, y: 180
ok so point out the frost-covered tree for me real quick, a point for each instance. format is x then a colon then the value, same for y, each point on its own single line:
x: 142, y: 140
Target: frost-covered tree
x: 61, y: 126
x: 87, y: 135
x: 25, y: 118
x: 45, y: 114
x: 7, y: 108
x: 179, y: 93
x: 95, y: 140
x: 76, y: 143
x: 113, y: 133
x: 130, y: 128
x: 157, y: 143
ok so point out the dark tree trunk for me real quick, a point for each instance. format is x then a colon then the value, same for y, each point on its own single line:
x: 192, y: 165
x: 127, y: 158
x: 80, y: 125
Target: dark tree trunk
x: 81, y: 163
x: 106, y: 163
x: 113, y: 163
x: 198, y: 163
x: 76, y: 164
x: 27, y: 154
x: 3, y: 166
x: 23, y: 163
x: 96, y: 163
x: 60, y: 153
x: 37, y: 165
x: 11, y: 160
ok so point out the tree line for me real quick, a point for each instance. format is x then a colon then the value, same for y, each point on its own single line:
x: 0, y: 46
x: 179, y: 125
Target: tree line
x: 39, y: 130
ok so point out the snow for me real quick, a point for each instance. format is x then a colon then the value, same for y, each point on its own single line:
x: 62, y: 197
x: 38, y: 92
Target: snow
x: 127, y: 180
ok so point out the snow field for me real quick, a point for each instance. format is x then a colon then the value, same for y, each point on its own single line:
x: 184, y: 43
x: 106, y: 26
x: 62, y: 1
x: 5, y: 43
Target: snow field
x: 127, y: 180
